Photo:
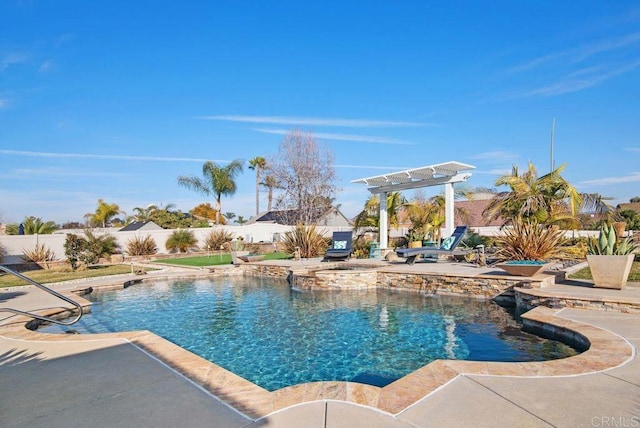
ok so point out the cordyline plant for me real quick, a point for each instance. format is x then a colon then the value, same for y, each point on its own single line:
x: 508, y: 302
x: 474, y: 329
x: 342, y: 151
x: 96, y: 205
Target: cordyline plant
x: 218, y: 239
x: 306, y: 239
x: 139, y: 246
x: 526, y: 239
x: 39, y: 254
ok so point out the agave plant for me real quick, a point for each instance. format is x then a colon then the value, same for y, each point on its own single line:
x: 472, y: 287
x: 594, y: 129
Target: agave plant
x: 307, y: 240
x: 608, y: 243
x: 529, y: 240
x: 138, y: 246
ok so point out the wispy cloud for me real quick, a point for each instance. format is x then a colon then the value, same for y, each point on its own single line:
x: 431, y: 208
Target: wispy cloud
x: 633, y: 149
x: 315, y: 121
x: 631, y: 178
x: 3, y: 102
x: 11, y: 59
x: 60, y: 172
x: 498, y: 155
x: 572, y: 84
x: 45, y: 66
x: 385, y: 168
x: 108, y: 157
x: 580, y: 53
x: 343, y: 137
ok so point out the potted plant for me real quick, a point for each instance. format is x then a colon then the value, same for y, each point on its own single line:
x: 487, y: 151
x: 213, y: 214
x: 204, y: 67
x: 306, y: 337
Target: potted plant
x: 415, y: 238
x: 610, y: 259
x: 237, y: 251
x: 527, y: 247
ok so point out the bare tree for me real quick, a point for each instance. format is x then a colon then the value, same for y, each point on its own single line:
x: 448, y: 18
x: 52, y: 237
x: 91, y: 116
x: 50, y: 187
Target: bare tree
x: 304, y: 170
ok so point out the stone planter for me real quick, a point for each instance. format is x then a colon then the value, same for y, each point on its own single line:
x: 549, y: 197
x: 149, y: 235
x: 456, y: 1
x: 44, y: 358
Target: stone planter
x: 524, y: 268
x: 610, y: 271
x: 235, y: 257
x: 415, y: 244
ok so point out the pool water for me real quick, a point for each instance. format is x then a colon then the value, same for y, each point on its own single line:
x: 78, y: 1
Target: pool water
x: 275, y: 337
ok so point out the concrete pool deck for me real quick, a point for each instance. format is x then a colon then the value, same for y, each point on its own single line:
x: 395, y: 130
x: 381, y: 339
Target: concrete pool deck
x: 121, y: 380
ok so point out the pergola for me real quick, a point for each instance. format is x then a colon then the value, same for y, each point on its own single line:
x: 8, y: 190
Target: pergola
x: 442, y: 174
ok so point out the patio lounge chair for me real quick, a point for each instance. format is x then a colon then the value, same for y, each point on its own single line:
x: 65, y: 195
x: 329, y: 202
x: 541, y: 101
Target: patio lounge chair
x: 447, y: 247
x: 340, y: 247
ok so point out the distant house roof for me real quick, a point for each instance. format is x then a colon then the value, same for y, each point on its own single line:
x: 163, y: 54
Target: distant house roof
x: 140, y: 225
x: 471, y: 213
x: 329, y: 217
x: 634, y: 206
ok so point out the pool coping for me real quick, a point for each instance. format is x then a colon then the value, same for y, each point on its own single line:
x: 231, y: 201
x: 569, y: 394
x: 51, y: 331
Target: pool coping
x: 606, y: 351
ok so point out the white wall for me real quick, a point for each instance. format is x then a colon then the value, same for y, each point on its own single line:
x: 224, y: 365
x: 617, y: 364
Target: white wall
x: 257, y: 232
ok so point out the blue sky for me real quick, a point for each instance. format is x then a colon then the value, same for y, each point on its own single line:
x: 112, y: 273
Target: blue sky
x: 115, y: 100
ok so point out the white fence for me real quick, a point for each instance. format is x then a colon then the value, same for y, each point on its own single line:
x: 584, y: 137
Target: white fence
x: 15, y: 245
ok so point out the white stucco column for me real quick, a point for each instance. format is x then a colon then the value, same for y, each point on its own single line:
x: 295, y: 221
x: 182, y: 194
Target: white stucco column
x: 448, y: 209
x: 383, y: 221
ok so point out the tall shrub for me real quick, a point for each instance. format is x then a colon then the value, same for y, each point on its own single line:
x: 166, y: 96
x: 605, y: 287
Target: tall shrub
x: 181, y: 240
x: 138, y: 246
x: 307, y: 240
x: 529, y: 240
x: 39, y: 254
x: 217, y: 239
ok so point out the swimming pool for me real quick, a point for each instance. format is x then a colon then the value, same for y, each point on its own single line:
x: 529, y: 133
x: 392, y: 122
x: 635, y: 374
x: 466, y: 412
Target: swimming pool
x: 274, y: 336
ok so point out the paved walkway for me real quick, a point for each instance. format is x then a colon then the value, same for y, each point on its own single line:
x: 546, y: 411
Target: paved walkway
x: 110, y: 382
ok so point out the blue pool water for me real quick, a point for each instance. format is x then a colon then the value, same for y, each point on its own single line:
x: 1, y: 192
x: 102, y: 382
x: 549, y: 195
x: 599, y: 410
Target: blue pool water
x: 273, y: 336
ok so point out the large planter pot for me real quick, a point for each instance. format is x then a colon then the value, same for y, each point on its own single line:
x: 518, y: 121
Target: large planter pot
x: 610, y: 271
x: 415, y: 244
x: 235, y: 257
x: 524, y: 267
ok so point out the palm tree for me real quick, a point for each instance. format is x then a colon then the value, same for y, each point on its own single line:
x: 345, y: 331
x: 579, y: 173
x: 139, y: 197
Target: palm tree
x: 549, y: 199
x: 369, y: 216
x: 144, y: 214
x: 216, y: 180
x: 229, y: 215
x: 240, y: 220
x: 33, y: 225
x: 258, y: 163
x: 103, y: 213
x: 270, y: 183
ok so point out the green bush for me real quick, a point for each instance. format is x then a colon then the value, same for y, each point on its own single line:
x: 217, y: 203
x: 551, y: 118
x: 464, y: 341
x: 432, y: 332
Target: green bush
x: 90, y: 249
x: 361, y: 248
x: 181, y: 240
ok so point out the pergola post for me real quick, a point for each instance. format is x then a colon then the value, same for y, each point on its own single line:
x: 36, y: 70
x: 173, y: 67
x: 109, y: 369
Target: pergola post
x: 383, y: 221
x: 449, y: 209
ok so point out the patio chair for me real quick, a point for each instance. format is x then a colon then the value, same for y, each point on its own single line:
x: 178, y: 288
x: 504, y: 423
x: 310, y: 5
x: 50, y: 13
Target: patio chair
x: 447, y: 246
x: 340, y: 247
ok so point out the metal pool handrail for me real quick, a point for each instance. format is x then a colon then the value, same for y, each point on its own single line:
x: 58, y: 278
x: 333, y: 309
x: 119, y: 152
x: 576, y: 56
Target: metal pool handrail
x: 48, y: 290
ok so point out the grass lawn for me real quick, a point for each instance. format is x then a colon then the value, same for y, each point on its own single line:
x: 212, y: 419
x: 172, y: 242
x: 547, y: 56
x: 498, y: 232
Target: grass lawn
x: 585, y: 273
x: 217, y: 259
x: 46, y: 276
